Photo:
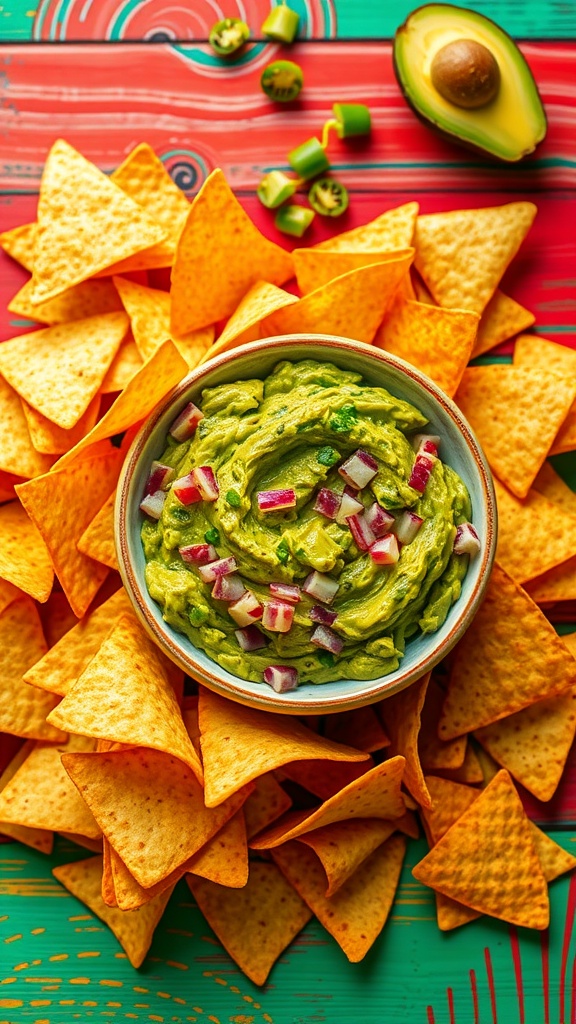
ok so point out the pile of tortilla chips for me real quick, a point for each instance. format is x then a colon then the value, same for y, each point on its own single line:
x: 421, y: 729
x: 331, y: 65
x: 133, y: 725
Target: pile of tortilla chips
x: 270, y: 819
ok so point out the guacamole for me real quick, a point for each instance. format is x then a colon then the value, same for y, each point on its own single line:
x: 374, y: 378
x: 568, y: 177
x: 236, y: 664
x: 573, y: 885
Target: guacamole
x: 291, y: 434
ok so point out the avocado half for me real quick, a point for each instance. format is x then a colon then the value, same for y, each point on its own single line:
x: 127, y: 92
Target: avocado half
x: 511, y: 125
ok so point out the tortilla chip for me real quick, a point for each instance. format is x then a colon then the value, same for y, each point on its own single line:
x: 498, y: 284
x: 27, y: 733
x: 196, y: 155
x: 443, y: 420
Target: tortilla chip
x: 534, y: 743
x: 487, y: 860
x: 532, y: 352
x: 554, y: 860
x: 125, y: 365
x: 433, y: 752
x: 516, y: 413
x: 449, y: 801
x: 124, y: 695
x: 19, y: 244
x: 143, y: 177
x: 85, y: 223
x: 37, y: 838
x: 254, y: 924
x: 94, y: 845
x: 325, y: 778
x: 159, y: 797
x: 534, y: 535
x: 342, y: 847
x: 24, y: 558
x: 401, y: 716
x: 83, y: 300
x: 565, y: 440
x: 463, y: 254
x: 317, y: 267
x: 215, y: 267
x: 40, y: 795
x: 375, y: 795
x: 557, y: 584
x: 436, y: 341
x: 61, y: 666
x: 502, y: 318
x: 149, y: 312
x: 157, y: 376
x: 8, y: 593
x: 261, y: 742
x: 17, y: 453
x: 359, y: 728
x: 469, y: 772
x: 357, y: 913
x: 260, y: 301
x: 224, y: 859
x: 555, y: 489
x: 134, y: 931
x: 107, y: 890
x: 265, y: 804
x: 120, y: 888
x: 391, y: 230
x: 23, y: 708
x: 53, y: 440
x: 8, y: 482
x: 97, y: 541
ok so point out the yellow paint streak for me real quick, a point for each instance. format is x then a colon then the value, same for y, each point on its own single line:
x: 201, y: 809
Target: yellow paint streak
x: 220, y: 981
x: 67, y: 1002
x: 81, y: 917
x: 42, y: 981
x: 164, y: 995
x: 152, y: 1016
x: 142, y: 1006
x: 120, y: 956
x: 82, y: 956
x: 257, y: 1006
x: 40, y: 1002
x: 178, y: 966
x: 37, y: 931
x: 111, y: 983
x: 92, y: 928
x: 21, y: 967
x: 79, y: 981
x: 59, y: 956
x: 182, y: 1002
x: 10, y: 1004
x: 198, y: 1009
x: 247, y: 999
x: 50, y: 988
x: 234, y: 988
x: 89, y: 1002
x: 242, y: 1019
x: 213, y: 1019
x: 137, y: 988
x: 267, y: 1018
x: 13, y: 938
x: 114, y: 1004
x: 4, y: 917
x: 8, y: 981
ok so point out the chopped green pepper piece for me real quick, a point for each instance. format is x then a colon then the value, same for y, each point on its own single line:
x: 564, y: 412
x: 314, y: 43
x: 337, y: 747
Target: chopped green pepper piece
x: 233, y: 498
x: 328, y: 456
x: 281, y: 24
x: 309, y: 159
x: 212, y: 536
x: 293, y: 220
x: 328, y: 197
x: 352, y: 119
x: 343, y: 420
x: 282, y: 81
x: 282, y: 552
x: 275, y: 188
x: 228, y: 35
x: 326, y: 659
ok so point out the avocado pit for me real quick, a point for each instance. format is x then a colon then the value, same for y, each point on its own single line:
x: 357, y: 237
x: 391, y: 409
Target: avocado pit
x: 466, y: 74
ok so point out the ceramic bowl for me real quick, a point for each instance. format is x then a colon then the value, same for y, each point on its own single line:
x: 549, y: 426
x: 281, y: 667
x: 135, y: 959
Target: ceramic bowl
x: 460, y: 449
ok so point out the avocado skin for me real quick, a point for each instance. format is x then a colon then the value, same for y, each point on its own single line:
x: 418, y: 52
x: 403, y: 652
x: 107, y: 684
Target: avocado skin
x: 439, y: 129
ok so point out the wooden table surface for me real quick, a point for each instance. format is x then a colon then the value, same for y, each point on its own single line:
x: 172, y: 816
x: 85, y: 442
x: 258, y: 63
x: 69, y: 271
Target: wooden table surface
x: 107, y: 74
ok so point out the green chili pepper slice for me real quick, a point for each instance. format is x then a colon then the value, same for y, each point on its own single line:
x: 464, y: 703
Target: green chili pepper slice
x: 351, y: 119
x: 275, y: 188
x: 282, y: 80
x: 309, y: 159
x: 293, y: 220
x: 228, y: 35
x: 281, y: 24
x: 328, y: 197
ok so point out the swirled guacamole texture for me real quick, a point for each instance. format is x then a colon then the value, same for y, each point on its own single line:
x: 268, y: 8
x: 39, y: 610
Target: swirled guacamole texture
x: 291, y: 430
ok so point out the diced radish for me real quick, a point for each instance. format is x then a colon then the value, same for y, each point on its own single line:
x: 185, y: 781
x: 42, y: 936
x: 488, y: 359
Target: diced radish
x: 199, y: 554
x: 363, y: 536
x: 153, y: 504
x: 206, y: 482
x: 185, y: 490
x: 385, y: 551
x: 406, y: 526
x: 359, y: 469
x: 328, y: 502
x: 222, y: 567
x: 324, y: 637
x: 286, y: 592
x: 423, y: 466
x: 349, y: 506
x: 426, y: 444
x: 274, y: 501
x: 281, y: 678
x: 466, y: 541
x: 278, y: 616
x: 320, y: 586
x: 185, y: 424
x: 246, y: 610
x: 228, y: 588
x: 323, y: 615
x: 379, y: 520
x: 250, y: 638
x: 160, y: 477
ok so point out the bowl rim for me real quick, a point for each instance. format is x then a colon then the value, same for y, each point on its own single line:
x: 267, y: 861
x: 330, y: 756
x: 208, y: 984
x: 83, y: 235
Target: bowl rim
x: 166, y: 637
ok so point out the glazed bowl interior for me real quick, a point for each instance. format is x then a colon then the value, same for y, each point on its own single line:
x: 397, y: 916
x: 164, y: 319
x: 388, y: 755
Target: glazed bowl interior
x: 459, y: 449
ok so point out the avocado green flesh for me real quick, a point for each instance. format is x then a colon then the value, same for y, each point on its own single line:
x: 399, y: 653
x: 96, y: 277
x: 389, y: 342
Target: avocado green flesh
x: 509, y: 127
x: 267, y: 435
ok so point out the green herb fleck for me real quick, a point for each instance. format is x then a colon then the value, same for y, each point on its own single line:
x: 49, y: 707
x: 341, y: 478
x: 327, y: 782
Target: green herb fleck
x: 282, y: 552
x: 328, y: 456
x: 212, y: 536
x: 233, y: 498
x: 326, y: 659
x: 182, y: 515
x: 344, y: 419
x: 198, y: 616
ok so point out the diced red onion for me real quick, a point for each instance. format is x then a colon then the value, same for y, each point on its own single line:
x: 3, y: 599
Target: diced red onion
x: 206, y: 482
x: 324, y: 615
x: 328, y: 502
x: 385, y: 551
x: 278, y: 616
x: 228, y: 588
x: 250, y: 638
x: 423, y: 466
x: 286, y: 592
x: 379, y: 520
x: 185, y: 424
x: 406, y: 526
x: 222, y: 567
x: 363, y: 536
x: 426, y: 444
x: 185, y: 490
x: 349, y: 506
x: 324, y: 637
x: 273, y: 501
x: 153, y: 504
x: 199, y: 554
x: 246, y: 610
x: 281, y: 678
x: 159, y: 478
x: 320, y: 586
x: 359, y: 469
x: 466, y: 541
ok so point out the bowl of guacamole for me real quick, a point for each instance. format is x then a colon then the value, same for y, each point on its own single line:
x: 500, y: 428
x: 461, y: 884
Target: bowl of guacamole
x: 306, y: 524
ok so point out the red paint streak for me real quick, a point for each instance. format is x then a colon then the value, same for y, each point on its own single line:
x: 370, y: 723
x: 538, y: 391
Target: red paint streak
x: 545, y: 953
x: 491, y: 989
x: 450, y: 996
x: 570, y: 912
x: 515, y: 948
x: 430, y: 1015
x: 573, y: 999
x: 474, y: 989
